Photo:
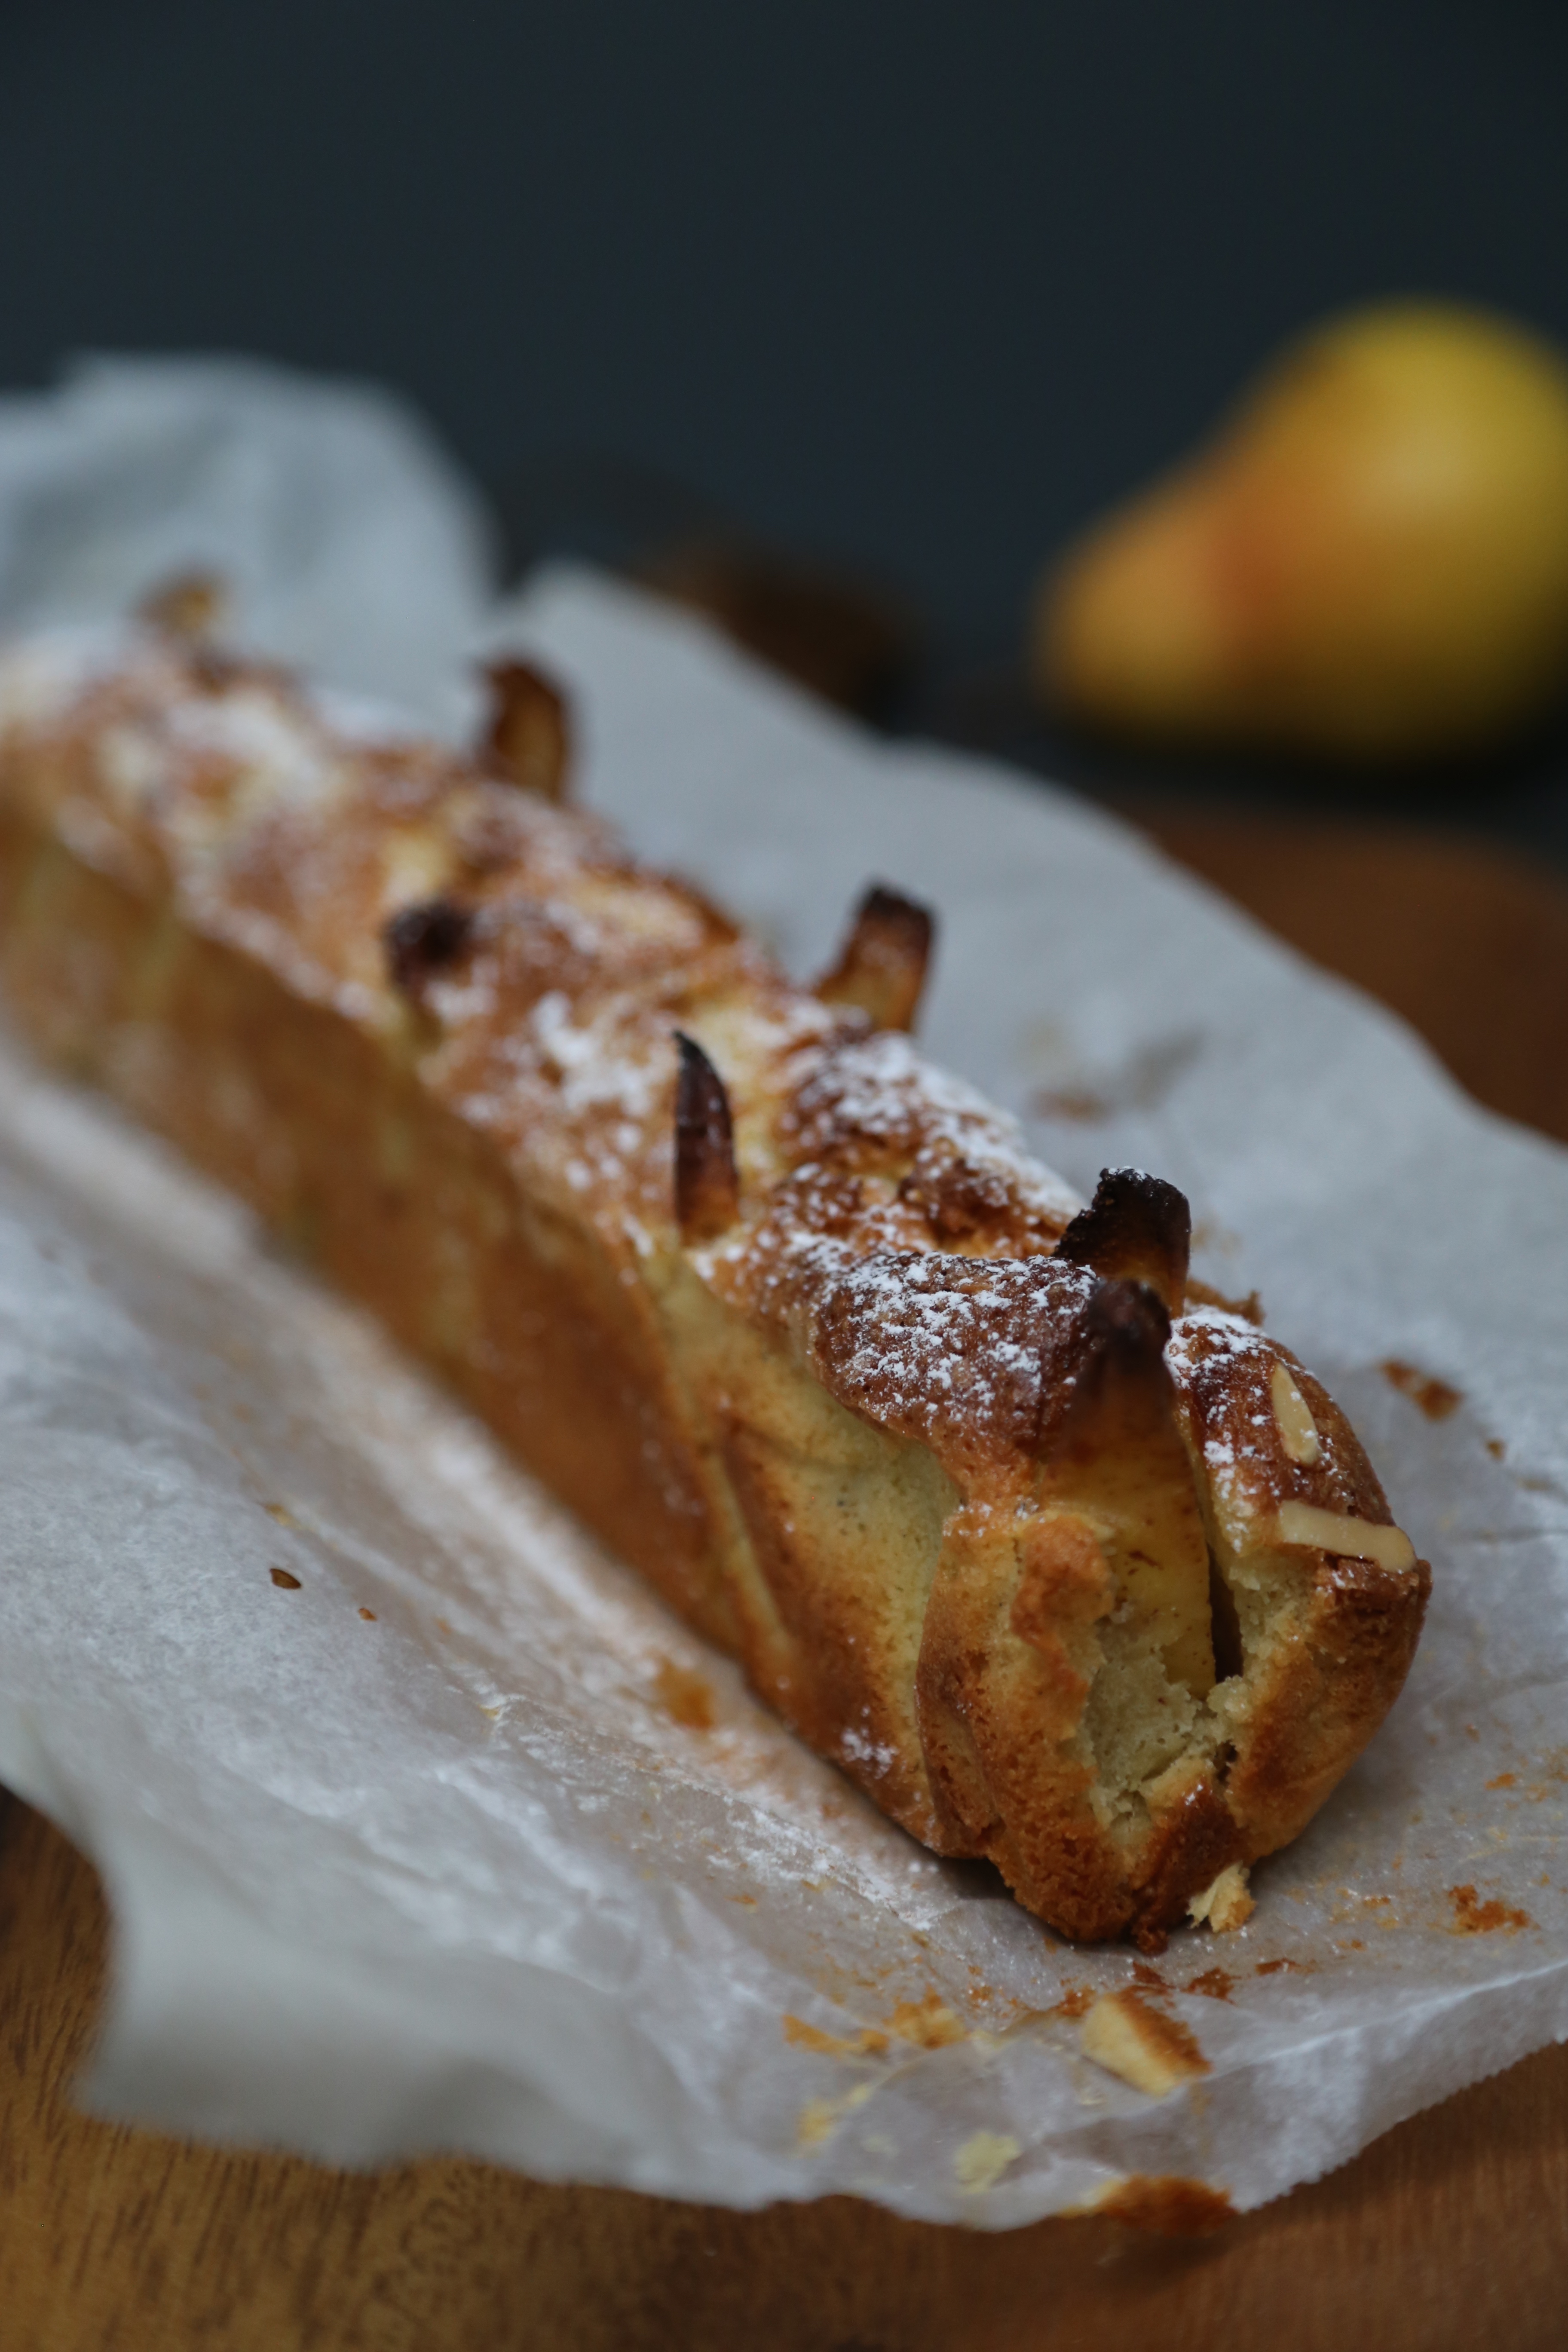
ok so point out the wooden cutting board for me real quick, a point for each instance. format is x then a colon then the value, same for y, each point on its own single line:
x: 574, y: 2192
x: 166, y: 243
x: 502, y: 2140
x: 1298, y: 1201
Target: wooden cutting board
x: 1450, y: 2233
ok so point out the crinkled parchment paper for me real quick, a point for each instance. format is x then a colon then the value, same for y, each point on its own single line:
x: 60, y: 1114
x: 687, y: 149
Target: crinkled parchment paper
x: 460, y: 1841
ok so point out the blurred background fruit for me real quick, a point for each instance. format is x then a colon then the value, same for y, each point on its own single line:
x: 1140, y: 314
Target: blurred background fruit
x: 833, y: 321
x: 1370, y: 561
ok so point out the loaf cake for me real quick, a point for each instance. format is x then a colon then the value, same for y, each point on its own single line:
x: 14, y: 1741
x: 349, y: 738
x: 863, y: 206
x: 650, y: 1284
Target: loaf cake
x: 1064, y: 1563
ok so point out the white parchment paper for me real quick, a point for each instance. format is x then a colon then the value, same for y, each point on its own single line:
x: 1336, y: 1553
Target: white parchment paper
x: 434, y: 1848
x: 345, y: 537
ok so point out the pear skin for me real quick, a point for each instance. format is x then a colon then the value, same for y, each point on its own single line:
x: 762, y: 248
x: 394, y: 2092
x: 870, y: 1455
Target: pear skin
x: 1369, y: 563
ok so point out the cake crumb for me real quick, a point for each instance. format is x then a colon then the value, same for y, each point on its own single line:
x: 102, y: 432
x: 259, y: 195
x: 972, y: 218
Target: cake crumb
x: 1214, y: 1984
x: 820, y: 2118
x: 1437, y: 1398
x: 685, y: 1697
x: 1226, y: 1903
x: 816, y: 2122
x: 1129, y: 2037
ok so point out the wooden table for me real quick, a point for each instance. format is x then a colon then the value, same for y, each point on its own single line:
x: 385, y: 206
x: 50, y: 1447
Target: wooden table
x: 1450, y: 2233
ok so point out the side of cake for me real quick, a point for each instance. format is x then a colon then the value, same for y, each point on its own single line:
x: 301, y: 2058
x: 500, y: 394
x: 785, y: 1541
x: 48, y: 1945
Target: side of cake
x: 1061, y: 1568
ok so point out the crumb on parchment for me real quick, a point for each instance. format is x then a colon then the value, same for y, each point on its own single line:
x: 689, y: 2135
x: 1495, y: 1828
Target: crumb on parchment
x: 686, y: 1697
x: 1434, y: 1397
x: 1126, y: 2034
x: 1225, y: 1903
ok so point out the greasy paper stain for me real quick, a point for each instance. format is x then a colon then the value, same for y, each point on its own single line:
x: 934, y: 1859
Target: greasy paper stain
x: 816, y: 2123
x: 685, y: 1696
x: 1141, y: 1084
x: 1176, y: 2044
x: 1214, y: 1984
x: 867, y: 2042
x: 1474, y: 1917
x: 981, y: 2160
x: 820, y: 2118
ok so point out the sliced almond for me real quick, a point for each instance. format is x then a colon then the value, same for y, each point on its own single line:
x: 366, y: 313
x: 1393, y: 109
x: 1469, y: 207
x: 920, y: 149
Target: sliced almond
x: 882, y: 968
x: 1224, y: 1902
x: 1130, y: 2037
x: 529, y: 737
x: 1293, y: 1414
x: 1351, y: 1538
x: 706, y: 1185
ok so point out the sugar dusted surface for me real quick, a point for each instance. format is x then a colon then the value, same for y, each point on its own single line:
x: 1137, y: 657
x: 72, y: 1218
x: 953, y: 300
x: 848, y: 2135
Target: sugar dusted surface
x: 497, y: 1865
x: 556, y: 1020
x: 1222, y: 1366
x: 481, y: 1810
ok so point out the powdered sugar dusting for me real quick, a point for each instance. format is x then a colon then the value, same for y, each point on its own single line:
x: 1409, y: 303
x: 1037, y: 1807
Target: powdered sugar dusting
x: 1223, y: 1366
x: 879, y: 1091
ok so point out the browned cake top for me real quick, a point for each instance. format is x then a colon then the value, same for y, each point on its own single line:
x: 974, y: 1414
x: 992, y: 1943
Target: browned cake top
x: 892, y: 1225
x: 1260, y: 1451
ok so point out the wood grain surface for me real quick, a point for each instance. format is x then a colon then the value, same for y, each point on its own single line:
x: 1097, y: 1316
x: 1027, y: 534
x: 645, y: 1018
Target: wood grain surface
x: 1450, y: 2233
x: 1468, y: 940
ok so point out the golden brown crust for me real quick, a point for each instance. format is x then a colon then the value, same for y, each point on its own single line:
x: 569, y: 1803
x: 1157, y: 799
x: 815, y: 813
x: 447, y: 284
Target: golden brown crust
x: 1137, y: 1228
x: 529, y: 738
x: 882, y: 967
x: 798, y: 1334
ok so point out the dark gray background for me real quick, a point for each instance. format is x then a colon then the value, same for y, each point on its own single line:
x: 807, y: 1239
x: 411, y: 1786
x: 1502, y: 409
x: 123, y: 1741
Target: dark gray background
x: 919, y: 287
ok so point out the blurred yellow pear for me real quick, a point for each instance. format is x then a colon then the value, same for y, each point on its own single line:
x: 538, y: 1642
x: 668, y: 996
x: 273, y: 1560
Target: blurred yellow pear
x: 1371, y: 561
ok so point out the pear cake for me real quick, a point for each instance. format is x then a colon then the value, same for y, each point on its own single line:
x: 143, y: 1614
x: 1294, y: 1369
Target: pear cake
x: 1062, y: 1560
